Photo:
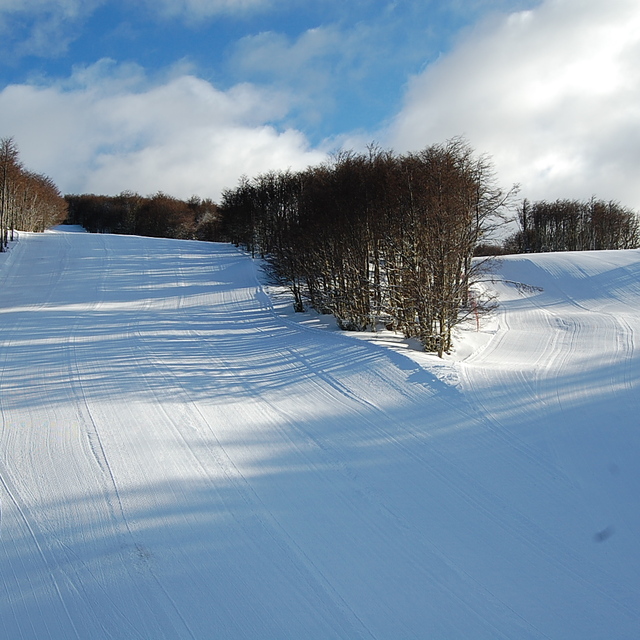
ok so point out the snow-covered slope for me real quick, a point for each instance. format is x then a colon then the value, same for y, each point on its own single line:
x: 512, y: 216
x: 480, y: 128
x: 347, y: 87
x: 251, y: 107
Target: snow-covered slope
x: 177, y: 460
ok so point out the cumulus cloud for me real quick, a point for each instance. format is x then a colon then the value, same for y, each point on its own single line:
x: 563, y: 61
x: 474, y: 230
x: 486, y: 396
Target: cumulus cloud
x: 109, y: 128
x: 552, y: 93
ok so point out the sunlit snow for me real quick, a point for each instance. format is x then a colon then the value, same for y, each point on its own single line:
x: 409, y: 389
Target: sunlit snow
x: 180, y: 457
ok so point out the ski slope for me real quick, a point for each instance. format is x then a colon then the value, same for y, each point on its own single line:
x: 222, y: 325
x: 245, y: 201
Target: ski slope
x: 180, y: 460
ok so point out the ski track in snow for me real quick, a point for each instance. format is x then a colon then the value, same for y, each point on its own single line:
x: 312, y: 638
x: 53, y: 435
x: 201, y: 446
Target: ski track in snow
x: 179, y: 461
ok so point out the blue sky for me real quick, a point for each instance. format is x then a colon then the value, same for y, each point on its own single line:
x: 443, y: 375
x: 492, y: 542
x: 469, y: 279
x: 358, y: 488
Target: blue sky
x: 185, y: 96
x: 346, y: 63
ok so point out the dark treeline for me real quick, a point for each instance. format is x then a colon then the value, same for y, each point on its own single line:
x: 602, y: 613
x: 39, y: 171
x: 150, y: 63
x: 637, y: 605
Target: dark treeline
x: 572, y: 225
x: 159, y: 216
x: 375, y: 237
x: 28, y: 201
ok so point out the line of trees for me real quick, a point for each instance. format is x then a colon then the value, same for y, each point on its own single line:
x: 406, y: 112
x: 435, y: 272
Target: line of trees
x: 159, y: 215
x: 574, y: 225
x: 28, y: 201
x: 372, y: 238
x: 376, y: 237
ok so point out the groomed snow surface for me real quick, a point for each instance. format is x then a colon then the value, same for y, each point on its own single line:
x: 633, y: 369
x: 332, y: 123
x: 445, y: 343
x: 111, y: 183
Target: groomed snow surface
x: 181, y: 459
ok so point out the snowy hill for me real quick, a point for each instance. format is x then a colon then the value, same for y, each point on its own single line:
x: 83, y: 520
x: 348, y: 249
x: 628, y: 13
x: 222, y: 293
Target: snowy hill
x: 179, y: 460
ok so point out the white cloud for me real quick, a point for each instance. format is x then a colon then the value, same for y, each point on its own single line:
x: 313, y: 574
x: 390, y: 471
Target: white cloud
x: 109, y: 129
x: 553, y: 94
x: 67, y: 7
x: 198, y: 9
x: 339, y: 73
x: 307, y: 66
x: 42, y: 27
x: 45, y: 28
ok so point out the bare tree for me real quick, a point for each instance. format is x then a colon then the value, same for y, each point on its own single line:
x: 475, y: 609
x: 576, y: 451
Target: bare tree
x: 375, y: 237
x: 574, y: 225
x: 9, y: 172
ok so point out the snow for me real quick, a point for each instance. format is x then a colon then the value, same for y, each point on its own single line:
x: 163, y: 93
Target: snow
x: 180, y: 457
